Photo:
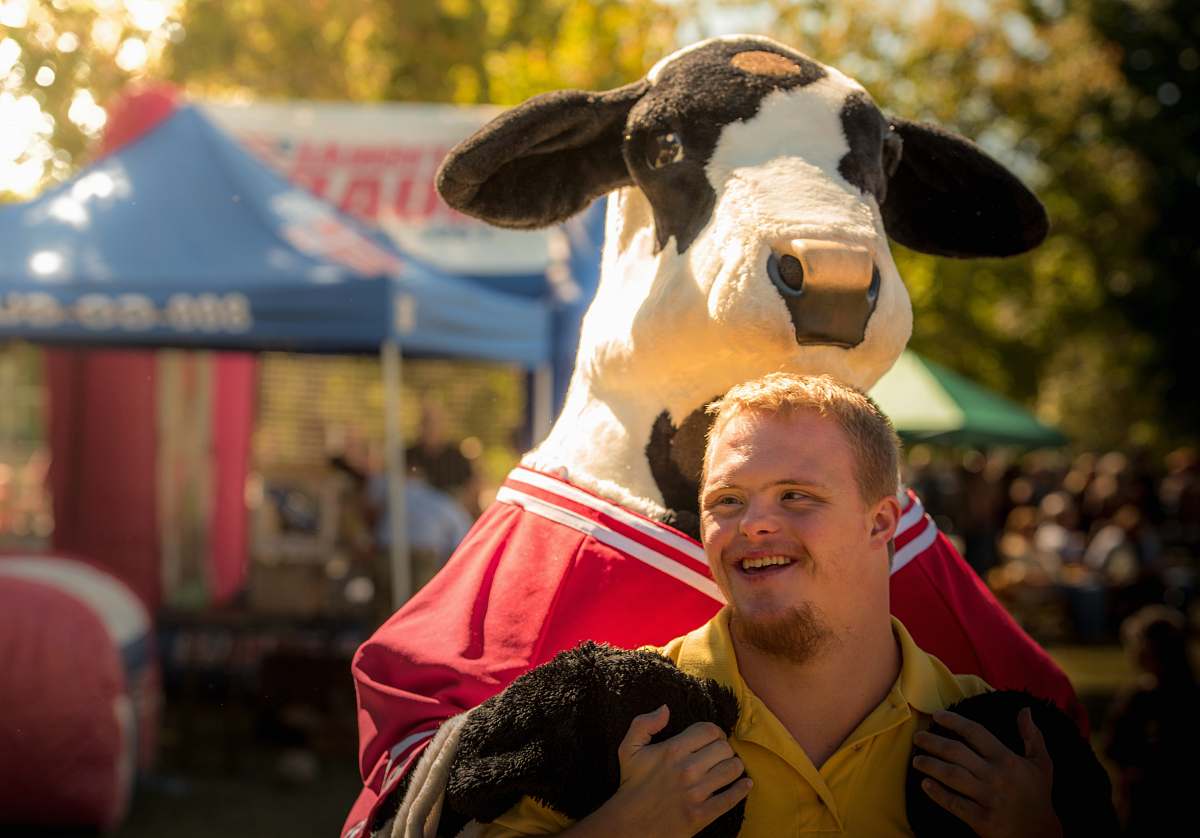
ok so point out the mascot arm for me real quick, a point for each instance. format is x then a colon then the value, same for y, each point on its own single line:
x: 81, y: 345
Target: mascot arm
x: 459, y: 641
x: 1081, y: 792
x: 520, y: 588
x: 952, y: 615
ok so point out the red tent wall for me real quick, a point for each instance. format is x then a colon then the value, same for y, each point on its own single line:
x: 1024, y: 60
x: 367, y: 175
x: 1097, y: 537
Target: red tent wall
x: 104, y: 470
x: 234, y: 386
x: 103, y: 435
x: 103, y: 443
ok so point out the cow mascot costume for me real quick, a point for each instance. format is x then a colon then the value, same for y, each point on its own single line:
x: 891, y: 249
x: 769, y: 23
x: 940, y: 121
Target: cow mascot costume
x: 752, y: 194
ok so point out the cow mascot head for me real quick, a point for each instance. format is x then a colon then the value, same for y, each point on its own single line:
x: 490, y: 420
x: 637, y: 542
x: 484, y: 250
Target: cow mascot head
x: 754, y: 191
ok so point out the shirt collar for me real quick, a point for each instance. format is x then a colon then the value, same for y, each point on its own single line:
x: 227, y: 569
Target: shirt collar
x: 918, y: 683
x: 707, y: 652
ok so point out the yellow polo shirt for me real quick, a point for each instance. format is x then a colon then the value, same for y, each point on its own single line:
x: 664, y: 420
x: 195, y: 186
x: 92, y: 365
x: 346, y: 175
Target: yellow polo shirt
x: 858, y: 791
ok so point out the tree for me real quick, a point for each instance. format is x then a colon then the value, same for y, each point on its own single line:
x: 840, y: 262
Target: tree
x: 1159, y: 48
x: 466, y: 51
x: 59, y: 62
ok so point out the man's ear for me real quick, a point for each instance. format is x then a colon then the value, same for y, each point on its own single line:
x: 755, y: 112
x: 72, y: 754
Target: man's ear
x: 543, y: 161
x: 949, y: 198
x: 885, y: 517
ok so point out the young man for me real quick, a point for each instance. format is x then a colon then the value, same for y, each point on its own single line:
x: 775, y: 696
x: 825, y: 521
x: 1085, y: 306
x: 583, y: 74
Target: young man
x: 798, y: 508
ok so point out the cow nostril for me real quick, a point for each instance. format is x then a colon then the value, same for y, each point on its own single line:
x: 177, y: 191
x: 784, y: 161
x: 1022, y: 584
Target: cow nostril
x: 873, y: 290
x: 786, y: 273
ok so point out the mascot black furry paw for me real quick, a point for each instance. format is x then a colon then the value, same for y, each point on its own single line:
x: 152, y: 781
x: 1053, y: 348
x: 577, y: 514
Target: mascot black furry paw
x: 1081, y: 794
x: 553, y: 734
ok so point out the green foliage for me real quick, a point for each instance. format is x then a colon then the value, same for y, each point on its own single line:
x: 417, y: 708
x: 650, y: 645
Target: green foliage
x: 1159, y: 46
x: 65, y: 57
x: 467, y: 51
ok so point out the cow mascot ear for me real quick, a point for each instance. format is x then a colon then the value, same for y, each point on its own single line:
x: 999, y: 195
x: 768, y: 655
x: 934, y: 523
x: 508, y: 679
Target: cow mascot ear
x: 947, y: 197
x: 543, y: 161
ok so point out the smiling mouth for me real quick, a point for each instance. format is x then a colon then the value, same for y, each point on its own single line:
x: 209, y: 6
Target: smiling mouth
x: 764, y: 564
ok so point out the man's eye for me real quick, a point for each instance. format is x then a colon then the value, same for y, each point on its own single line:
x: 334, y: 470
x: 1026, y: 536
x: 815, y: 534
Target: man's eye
x: 723, y: 501
x: 794, y: 495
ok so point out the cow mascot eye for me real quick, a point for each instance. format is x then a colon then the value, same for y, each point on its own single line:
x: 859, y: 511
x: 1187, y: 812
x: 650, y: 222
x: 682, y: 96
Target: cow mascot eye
x: 664, y: 149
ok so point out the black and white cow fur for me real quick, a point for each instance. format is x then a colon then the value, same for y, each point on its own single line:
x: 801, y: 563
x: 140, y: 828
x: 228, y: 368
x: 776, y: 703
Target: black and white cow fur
x: 754, y: 191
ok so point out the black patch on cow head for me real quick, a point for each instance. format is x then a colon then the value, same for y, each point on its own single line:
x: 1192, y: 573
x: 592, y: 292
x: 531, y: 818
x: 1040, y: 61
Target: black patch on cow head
x: 676, y: 456
x: 547, y: 159
x: 672, y: 132
x: 874, y: 147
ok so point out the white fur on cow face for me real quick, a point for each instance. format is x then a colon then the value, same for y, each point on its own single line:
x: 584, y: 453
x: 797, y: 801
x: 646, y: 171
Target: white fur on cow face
x: 777, y: 179
x: 669, y: 331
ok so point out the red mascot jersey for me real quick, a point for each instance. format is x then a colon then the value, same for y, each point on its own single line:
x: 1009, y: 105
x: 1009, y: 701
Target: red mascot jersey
x: 550, y: 565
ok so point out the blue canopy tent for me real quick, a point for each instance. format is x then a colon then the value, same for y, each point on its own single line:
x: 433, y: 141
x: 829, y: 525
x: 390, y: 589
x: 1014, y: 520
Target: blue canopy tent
x: 568, y: 286
x: 183, y: 239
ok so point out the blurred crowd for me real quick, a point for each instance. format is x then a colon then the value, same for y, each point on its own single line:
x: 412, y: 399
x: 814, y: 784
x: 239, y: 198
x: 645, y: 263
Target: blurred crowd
x: 1072, y: 546
x: 1097, y: 548
x: 442, y: 499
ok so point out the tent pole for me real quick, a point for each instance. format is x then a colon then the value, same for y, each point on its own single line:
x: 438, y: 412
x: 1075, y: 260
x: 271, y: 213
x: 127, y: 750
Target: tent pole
x: 543, y: 396
x: 394, y: 453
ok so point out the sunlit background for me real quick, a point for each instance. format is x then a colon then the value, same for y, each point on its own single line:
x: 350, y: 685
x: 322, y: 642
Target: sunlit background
x: 1094, y: 103
x: 1091, y: 101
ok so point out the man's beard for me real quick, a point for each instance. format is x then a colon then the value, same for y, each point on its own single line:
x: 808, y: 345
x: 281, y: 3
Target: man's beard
x: 795, y: 636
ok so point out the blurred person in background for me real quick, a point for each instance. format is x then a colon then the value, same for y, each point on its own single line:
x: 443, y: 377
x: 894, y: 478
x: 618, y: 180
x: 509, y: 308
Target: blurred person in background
x: 1180, y: 496
x: 1058, y: 534
x: 1141, y: 486
x: 1122, y: 547
x: 441, y: 462
x: 1016, y: 542
x: 1102, y: 497
x: 1061, y: 543
x: 982, y: 500
x: 349, y: 467
x: 1077, y: 478
x: 1026, y: 580
x: 1126, y: 555
x: 1153, y: 732
x: 436, y: 523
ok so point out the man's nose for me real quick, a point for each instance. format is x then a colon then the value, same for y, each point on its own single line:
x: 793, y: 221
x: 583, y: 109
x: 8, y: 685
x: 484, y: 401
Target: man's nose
x: 759, y: 520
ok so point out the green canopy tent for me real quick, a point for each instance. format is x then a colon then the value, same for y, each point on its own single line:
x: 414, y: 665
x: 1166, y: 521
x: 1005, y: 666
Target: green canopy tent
x: 929, y: 403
